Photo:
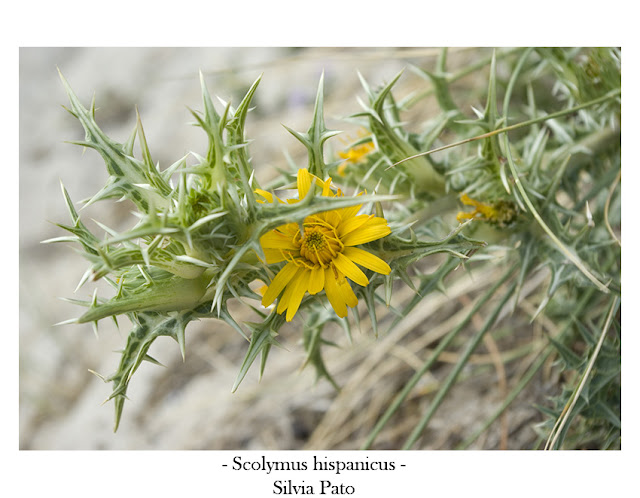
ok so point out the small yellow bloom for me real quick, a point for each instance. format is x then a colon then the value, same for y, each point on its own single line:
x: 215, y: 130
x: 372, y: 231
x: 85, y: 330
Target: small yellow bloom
x: 355, y: 154
x: 481, y: 209
x: 501, y: 213
x: 323, y: 256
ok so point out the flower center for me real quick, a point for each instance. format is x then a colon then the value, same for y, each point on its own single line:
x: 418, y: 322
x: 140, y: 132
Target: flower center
x: 320, y: 243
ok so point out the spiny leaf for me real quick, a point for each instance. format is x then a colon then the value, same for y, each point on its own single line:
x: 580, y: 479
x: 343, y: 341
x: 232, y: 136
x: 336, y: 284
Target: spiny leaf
x: 262, y: 336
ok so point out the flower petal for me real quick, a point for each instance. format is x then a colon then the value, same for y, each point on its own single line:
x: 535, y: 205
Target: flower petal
x: 329, y: 217
x: 273, y: 256
x: 326, y: 187
x: 349, y: 225
x: 350, y: 270
x: 366, y: 259
x: 348, y: 295
x: 316, y: 280
x: 304, y: 183
x: 297, y: 295
x: 279, y: 282
x: 283, y: 302
x: 267, y: 195
x: 350, y: 212
x: 334, y: 293
x: 373, y: 229
x: 275, y: 239
x: 294, y: 293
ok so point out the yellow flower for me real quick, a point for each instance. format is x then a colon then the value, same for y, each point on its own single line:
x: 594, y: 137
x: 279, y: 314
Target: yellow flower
x: 481, y: 209
x: 355, y: 154
x: 324, y: 255
x: 500, y: 213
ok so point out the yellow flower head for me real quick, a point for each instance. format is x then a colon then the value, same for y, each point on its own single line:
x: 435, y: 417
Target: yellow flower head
x: 323, y: 255
x: 500, y: 213
x: 355, y: 154
x: 481, y: 209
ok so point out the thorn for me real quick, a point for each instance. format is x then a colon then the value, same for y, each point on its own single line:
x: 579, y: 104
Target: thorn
x: 83, y: 279
x: 66, y: 322
x: 180, y: 339
x: 590, y: 221
x: 101, y: 377
x: 151, y: 359
x: 112, y: 396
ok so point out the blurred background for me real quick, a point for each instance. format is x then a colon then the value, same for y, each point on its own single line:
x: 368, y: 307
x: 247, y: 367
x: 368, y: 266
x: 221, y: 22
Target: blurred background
x: 190, y: 405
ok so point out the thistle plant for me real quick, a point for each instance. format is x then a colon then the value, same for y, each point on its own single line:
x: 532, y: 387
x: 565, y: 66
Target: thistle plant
x: 522, y: 188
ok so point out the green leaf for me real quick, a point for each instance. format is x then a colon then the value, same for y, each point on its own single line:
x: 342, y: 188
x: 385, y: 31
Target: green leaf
x: 148, y: 327
x: 262, y: 337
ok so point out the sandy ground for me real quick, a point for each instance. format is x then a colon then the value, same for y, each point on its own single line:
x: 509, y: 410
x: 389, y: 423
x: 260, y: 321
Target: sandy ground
x: 189, y: 405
